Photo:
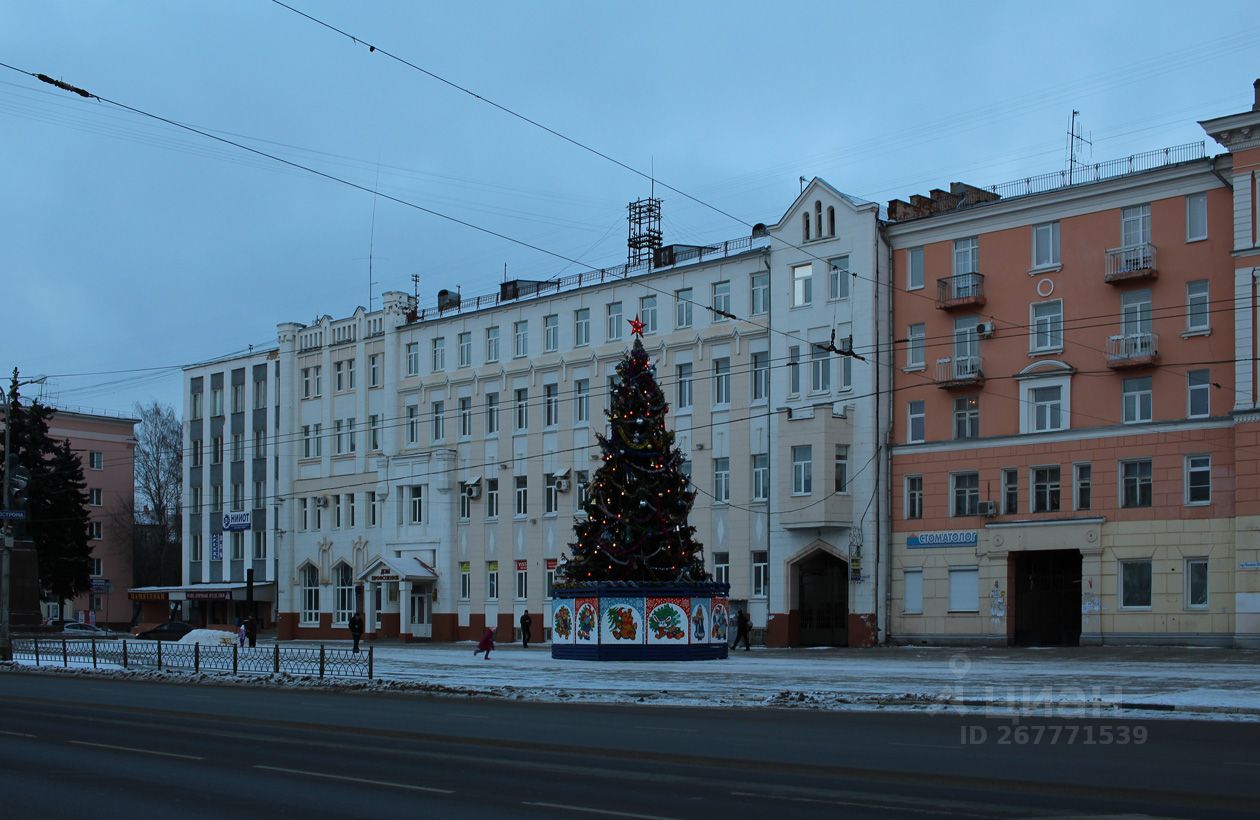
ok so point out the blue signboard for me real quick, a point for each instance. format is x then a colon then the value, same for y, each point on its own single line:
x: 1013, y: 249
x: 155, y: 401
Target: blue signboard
x: 216, y: 547
x: 236, y: 521
x: 935, y: 540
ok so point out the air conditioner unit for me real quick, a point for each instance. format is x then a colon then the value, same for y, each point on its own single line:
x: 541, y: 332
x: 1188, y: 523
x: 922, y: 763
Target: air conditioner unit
x: 562, y: 485
x: 322, y: 501
x: 984, y: 329
x: 699, y: 445
x: 988, y: 509
x: 473, y: 490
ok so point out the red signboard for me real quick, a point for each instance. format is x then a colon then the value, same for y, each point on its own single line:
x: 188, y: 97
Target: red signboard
x: 551, y: 563
x: 148, y: 596
x: 522, y: 564
x: 209, y: 595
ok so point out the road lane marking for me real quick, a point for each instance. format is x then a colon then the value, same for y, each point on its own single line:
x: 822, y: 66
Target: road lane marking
x: 357, y: 780
x: 589, y: 810
x: 133, y: 749
x: 859, y: 804
x: 15, y: 734
x: 925, y: 746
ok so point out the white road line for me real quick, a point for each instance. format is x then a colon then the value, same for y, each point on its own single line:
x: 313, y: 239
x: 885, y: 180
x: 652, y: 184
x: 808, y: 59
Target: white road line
x: 589, y: 810
x: 925, y: 746
x: 864, y: 805
x: 131, y: 749
x: 357, y: 780
x: 15, y: 734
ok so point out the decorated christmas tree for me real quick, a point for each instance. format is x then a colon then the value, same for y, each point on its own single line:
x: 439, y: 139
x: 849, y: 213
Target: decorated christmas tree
x: 636, y: 509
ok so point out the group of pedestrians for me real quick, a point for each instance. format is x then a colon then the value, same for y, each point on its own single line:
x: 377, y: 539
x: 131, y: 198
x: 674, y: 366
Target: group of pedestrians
x: 247, y: 631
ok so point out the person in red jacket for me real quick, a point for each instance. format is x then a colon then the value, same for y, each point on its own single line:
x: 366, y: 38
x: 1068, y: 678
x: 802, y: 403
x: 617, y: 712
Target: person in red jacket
x: 486, y: 643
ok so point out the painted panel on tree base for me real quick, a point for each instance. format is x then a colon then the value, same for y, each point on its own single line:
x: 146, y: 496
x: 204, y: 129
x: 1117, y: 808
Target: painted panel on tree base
x: 720, y: 619
x: 562, y: 626
x: 586, y: 618
x: 699, y: 621
x: 667, y: 620
x: 623, y: 621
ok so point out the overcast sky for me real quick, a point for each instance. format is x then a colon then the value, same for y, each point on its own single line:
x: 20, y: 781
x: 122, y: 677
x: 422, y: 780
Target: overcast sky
x: 130, y: 244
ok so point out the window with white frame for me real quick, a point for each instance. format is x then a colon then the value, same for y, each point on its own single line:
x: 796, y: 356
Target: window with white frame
x: 967, y: 417
x: 722, y: 567
x: 339, y: 376
x: 842, y: 468
x: 1135, y: 584
x: 413, y: 425
x: 964, y: 589
x: 1010, y: 491
x: 1197, y: 312
x: 465, y: 580
x: 838, y: 278
x: 216, y: 393
x: 492, y: 580
x: 551, y: 494
x: 309, y: 380
x: 310, y: 594
x: 759, y: 293
x: 520, y: 336
x: 238, y: 546
x: 374, y: 370
x: 439, y: 420
x: 912, y: 600
x: 683, y: 304
x: 1135, y: 225
x: 647, y: 313
x: 1045, y: 408
x: 551, y: 405
x: 819, y: 369
x: 194, y: 406
x: 846, y: 372
x: 551, y: 333
x: 916, y: 346
x: 304, y: 514
x: 260, y: 389
x: 465, y: 502
x: 914, y: 268
x: 802, y: 469
x: 465, y: 349
x: 1046, y: 331
x: 721, y: 480
x: 794, y: 370
x: 350, y: 510
x: 581, y: 488
x: 1199, y: 393
x: 1137, y: 400
x: 1196, y: 583
x: 760, y: 573
x: 216, y: 496
x: 582, y: 401
x: 415, y: 504
x: 96, y: 497
x: 95, y: 530
x: 581, y: 327
x: 722, y: 380
x: 1046, y: 489
x: 1082, y: 486
x: 492, y: 498
x: 916, y: 420
x: 1196, y: 217
x: 1045, y: 250
x: 373, y: 509
x: 802, y: 285
x: 238, y: 447
x: 761, y: 477
x: 413, y: 358
x: 492, y: 414
x: 238, y: 398
x: 343, y: 577
x: 614, y: 321
x: 195, y: 548
x: 683, y: 384
x: 721, y: 300
x: 914, y: 496
x: 492, y: 344
x: 521, y: 485
x: 310, y: 441
x: 260, y: 443
x: 521, y: 396
x: 465, y: 416
x: 966, y: 255
x: 1135, y: 483
x: 439, y: 354
x: 760, y: 376
x: 197, y: 449
x: 1199, y: 479
x: 522, y: 580
x: 965, y: 489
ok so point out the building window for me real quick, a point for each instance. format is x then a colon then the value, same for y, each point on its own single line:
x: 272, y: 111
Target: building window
x: 966, y: 256
x: 465, y: 580
x: 551, y: 333
x: 374, y: 370
x: 1045, y: 251
x: 415, y: 504
x: 802, y: 285
x: 551, y: 494
x: 238, y: 496
x: 647, y: 313
x: 614, y: 321
x: 492, y: 580
x: 260, y: 389
x: 216, y: 496
x: 967, y: 417
x: 966, y: 493
x: 492, y: 344
x: 1135, y: 225
x: 842, y: 468
x: 794, y: 370
x: 721, y: 300
x: 1046, y: 332
x: 761, y: 573
x: 216, y: 397
x: 581, y: 327
x: 522, y: 495
x: 339, y: 377
x: 465, y: 349
x: 1046, y: 408
x: 914, y: 496
x: 1135, y: 483
x: 1196, y: 217
x: 721, y: 480
x: 465, y: 502
x: 197, y: 449
x: 581, y: 487
x: 1197, y: 311
x: 413, y: 425
x: 1199, y: 393
x: 582, y: 400
x: 96, y: 497
x: 683, y: 308
x: 1135, y: 584
x: 914, y: 268
x: 238, y: 398
x: 439, y: 354
x: 465, y: 417
x: 760, y: 376
x: 722, y: 380
x: 439, y: 420
x: 1045, y: 481
x: 759, y: 293
x: 522, y: 408
x: 343, y: 577
x: 722, y: 567
x: 522, y: 580
x: 373, y: 509
x: 1084, y: 486
x: 238, y: 447
x: 802, y: 469
x: 194, y: 406
x: 413, y: 358
x: 492, y: 414
x: 551, y: 405
x: 819, y: 369
x: 838, y: 278
x: 1196, y: 583
x: 95, y: 530
x: 846, y: 373
x: 520, y: 337
x: 1198, y: 479
x: 1010, y: 492
x: 492, y: 498
x: 260, y: 443
x: 761, y: 477
x: 912, y: 600
x: 195, y: 548
x: 350, y: 514
x: 1137, y: 400
x: 310, y: 594
x: 964, y: 590
x: 916, y: 345
x: 916, y: 422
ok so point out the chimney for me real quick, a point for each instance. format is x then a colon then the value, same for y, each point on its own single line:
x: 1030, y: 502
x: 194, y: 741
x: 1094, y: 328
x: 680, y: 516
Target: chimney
x: 1256, y: 87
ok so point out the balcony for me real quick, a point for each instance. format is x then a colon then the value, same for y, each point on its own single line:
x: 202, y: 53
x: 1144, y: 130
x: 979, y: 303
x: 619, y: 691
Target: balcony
x: 1132, y: 350
x: 1132, y: 263
x: 964, y: 290
x: 959, y: 371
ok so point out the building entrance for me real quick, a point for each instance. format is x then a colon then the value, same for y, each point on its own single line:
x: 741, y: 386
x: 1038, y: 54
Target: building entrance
x: 823, y: 596
x: 1045, y: 598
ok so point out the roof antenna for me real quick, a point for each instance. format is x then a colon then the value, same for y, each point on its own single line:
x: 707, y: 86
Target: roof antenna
x: 415, y: 286
x: 802, y: 185
x: 372, y: 236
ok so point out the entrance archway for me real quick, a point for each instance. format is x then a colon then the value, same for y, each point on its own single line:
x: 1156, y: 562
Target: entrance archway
x: 823, y: 600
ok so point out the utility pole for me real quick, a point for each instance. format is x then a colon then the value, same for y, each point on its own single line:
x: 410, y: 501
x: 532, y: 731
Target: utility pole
x: 6, y: 554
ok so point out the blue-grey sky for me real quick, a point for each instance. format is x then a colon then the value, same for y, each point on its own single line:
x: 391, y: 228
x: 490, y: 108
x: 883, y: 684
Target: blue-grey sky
x: 130, y: 244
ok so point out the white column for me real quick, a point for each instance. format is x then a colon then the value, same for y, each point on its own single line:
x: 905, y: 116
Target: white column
x: 1244, y: 330
x: 369, y: 607
x: 404, y: 608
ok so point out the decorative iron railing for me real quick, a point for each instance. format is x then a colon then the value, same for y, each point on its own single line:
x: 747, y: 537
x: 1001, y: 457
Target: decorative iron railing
x: 319, y: 661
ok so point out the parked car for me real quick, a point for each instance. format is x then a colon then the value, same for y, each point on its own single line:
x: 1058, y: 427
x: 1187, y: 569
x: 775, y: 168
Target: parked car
x: 74, y: 629
x: 169, y: 631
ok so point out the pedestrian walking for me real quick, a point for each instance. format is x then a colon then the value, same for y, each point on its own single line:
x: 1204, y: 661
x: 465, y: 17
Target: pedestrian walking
x: 356, y: 629
x: 526, y: 624
x: 743, y: 626
x: 485, y: 644
x: 240, y: 634
x: 251, y: 631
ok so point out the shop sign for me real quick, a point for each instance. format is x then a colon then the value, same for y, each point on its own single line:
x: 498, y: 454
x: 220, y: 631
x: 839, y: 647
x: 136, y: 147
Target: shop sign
x: 522, y: 564
x: 209, y: 595
x: 236, y: 521
x: 147, y: 596
x: 1249, y: 565
x: 385, y: 576
x: 551, y: 563
x: 216, y: 547
x: 100, y: 585
x: 949, y: 538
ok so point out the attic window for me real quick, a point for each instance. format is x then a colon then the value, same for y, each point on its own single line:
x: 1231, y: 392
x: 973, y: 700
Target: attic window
x: 805, y: 227
x: 831, y: 220
x: 818, y: 219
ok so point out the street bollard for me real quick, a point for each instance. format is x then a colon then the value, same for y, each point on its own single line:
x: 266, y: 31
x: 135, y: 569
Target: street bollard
x: 65, y: 656
x: 370, y: 663
x: 277, y: 648
x: 234, y: 661
x: 94, y: 653
x: 321, y: 660
x: 196, y: 657
x: 124, y: 643
x: 159, y: 656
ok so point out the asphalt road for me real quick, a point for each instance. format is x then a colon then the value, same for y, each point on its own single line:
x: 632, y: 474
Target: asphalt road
x: 78, y: 747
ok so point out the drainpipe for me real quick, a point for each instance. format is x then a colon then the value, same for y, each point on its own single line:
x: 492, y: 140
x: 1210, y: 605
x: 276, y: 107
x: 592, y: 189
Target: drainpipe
x: 1217, y: 174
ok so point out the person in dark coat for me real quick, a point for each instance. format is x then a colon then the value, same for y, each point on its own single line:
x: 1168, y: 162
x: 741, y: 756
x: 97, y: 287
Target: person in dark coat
x: 743, y: 626
x: 486, y: 643
x: 251, y: 630
x: 526, y: 623
x: 356, y: 629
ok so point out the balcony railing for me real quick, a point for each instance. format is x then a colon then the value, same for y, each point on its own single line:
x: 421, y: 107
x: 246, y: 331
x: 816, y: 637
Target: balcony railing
x: 1132, y: 349
x: 964, y: 290
x: 958, y: 371
x: 1131, y: 262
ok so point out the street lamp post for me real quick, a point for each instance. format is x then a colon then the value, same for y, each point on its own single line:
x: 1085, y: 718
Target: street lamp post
x: 6, y: 554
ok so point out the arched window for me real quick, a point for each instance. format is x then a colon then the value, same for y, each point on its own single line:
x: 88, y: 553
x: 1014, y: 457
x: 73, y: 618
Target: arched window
x: 818, y: 219
x: 805, y: 227
x: 343, y: 577
x: 310, y: 594
x: 831, y: 220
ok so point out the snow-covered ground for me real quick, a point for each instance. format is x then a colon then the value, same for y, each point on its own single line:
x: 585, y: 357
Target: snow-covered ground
x: 1223, y: 684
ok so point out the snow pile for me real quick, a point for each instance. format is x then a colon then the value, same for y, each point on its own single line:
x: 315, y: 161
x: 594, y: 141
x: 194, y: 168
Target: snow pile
x: 213, y: 637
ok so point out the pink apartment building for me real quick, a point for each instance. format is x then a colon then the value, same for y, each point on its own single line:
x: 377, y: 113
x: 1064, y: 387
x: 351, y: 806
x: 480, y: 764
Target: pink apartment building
x: 106, y: 446
x: 1075, y: 424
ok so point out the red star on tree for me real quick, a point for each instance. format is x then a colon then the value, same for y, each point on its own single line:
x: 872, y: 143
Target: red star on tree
x: 636, y: 326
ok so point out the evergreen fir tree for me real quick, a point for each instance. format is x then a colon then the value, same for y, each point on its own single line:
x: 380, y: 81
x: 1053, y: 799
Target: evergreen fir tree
x: 637, y: 505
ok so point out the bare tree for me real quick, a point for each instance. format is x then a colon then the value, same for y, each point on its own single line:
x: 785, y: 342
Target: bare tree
x: 159, y: 465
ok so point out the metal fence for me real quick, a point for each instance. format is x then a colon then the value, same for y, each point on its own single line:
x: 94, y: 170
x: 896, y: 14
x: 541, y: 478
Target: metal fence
x: 263, y: 660
x: 1082, y: 174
